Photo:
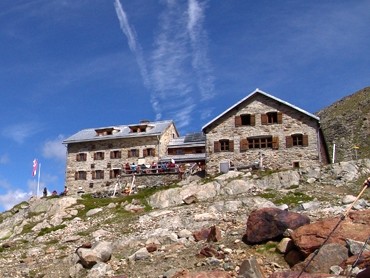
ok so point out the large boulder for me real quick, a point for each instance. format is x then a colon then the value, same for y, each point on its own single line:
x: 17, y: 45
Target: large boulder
x: 310, y: 237
x: 270, y: 223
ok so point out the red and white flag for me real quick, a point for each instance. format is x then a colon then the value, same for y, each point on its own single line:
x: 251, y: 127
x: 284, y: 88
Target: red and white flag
x: 34, y: 167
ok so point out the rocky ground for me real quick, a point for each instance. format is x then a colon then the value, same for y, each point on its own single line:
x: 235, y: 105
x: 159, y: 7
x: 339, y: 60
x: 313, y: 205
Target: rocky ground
x: 42, y: 238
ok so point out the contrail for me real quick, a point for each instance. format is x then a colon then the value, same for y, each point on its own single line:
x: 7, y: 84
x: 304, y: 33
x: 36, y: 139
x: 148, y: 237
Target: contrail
x: 132, y: 42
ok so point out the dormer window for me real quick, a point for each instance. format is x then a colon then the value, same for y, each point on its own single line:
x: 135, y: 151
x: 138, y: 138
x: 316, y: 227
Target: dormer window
x: 138, y: 128
x: 106, y: 131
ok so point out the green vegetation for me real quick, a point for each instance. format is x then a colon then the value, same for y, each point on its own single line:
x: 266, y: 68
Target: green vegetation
x: 45, y: 231
x: 289, y: 198
x: 268, y: 246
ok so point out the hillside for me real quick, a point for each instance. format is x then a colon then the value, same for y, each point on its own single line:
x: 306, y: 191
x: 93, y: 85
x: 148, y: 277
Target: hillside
x: 152, y: 233
x: 347, y: 124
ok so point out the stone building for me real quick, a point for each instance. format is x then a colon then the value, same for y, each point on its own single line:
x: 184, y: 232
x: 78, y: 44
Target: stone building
x: 97, y: 156
x: 263, y: 131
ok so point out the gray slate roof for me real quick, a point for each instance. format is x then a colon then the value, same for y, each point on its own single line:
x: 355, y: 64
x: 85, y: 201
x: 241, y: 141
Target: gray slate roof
x: 90, y: 134
x: 258, y: 91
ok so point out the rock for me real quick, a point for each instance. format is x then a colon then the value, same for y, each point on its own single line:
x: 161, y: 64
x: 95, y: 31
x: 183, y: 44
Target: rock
x: 202, y: 274
x: 355, y: 247
x: 364, y: 274
x: 329, y: 255
x: 93, y: 211
x: 214, y: 234
x: 293, y: 257
x: 285, y: 245
x: 348, y: 199
x: 140, y: 254
x: 270, y: 223
x: 310, y: 237
x: 295, y: 274
x: 250, y: 269
x: 190, y: 199
x: 201, y: 234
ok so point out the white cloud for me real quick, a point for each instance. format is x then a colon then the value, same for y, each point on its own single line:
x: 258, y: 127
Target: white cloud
x: 54, y: 149
x: 20, y: 132
x: 12, y: 198
x: 179, y: 70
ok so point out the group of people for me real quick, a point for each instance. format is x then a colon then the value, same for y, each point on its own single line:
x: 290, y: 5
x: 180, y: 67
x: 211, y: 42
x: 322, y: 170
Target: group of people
x: 152, y: 168
x: 55, y: 193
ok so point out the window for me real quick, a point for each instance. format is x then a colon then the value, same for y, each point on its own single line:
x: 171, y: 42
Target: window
x: 296, y: 164
x: 263, y: 142
x: 98, y: 175
x: 133, y: 153
x: 81, y: 157
x: 224, y: 145
x: 115, y: 154
x: 298, y: 140
x: 149, y: 152
x: 80, y: 175
x: 99, y: 156
x: 272, y: 118
x: 245, y: 119
x: 114, y: 173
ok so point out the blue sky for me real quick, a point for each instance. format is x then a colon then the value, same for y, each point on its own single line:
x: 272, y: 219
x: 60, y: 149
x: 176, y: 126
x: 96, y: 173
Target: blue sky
x: 67, y: 65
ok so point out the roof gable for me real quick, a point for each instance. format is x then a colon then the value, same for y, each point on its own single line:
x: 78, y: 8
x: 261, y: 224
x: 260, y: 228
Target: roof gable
x: 255, y: 92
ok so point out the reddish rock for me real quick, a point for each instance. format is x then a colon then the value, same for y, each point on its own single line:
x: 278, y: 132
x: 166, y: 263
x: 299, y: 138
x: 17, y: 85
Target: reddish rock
x: 270, y: 223
x: 293, y: 257
x: 211, y: 252
x: 201, y: 234
x: 214, y: 234
x: 310, y: 237
x: 363, y: 261
x: 364, y: 274
x: 151, y: 247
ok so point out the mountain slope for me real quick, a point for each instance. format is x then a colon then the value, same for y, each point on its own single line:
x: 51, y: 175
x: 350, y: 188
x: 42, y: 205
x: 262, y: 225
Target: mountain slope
x: 346, y: 123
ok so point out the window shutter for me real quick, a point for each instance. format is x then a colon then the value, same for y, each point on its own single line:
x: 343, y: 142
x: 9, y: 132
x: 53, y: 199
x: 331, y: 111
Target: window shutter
x: 289, y: 141
x: 231, y: 145
x: 238, y: 121
x: 243, y: 145
x: 93, y: 175
x: 217, y: 146
x: 280, y: 117
x: 85, y: 156
x: 264, y: 119
x: 275, y: 142
x: 76, y: 175
x: 153, y: 151
x: 145, y: 153
x: 305, y: 140
x: 94, y: 156
x: 129, y: 153
x: 111, y: 155
x: 111, y: 174
x: 77, y: 157
x: 102, y: 155
x: 253, y: 120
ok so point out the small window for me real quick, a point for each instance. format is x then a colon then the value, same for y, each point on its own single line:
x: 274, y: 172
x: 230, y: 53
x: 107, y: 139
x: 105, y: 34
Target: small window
x: 245, y: 120
x: 99, y: 156
x: 272, y: 118
x: 98, y: 175
x: 224, y: 145
x: 114, y: 173
x: 81, y: 157
x: 133, y: 153
x: 115, y: 154
x: 149, y: 152
x: 296, y: 140
x: 80, y: 175
x: 296, y: 164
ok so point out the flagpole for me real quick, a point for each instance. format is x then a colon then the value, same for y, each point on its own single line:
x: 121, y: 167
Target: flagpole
x: 38, y: 181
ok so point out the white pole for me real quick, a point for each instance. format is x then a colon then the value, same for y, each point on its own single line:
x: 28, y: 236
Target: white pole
x: 38, y: 181
x: 333, y: 153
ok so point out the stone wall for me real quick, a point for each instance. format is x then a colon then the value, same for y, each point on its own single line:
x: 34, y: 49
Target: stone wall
x: 159, y: 143
x: 293, y: 122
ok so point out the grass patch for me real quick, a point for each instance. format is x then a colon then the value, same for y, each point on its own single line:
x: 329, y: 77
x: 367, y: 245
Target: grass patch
x: 266, y: 247
x: 293, y: 198
x: 45, y: 231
